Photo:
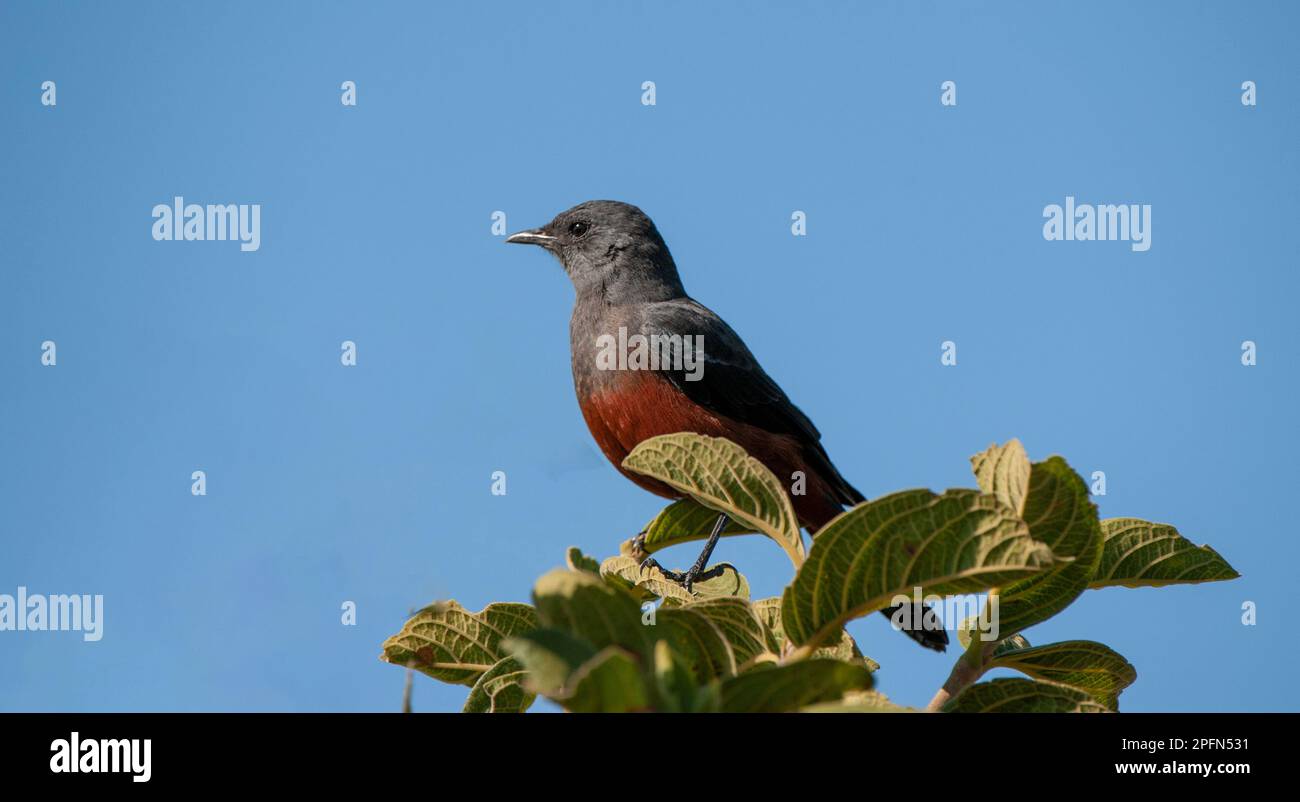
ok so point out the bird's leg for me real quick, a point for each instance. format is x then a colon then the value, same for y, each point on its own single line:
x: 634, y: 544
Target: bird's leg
x: 650, y: 563
x: 696, y: 571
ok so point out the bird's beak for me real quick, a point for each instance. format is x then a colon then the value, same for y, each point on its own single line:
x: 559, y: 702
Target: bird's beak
x: 532, y: 236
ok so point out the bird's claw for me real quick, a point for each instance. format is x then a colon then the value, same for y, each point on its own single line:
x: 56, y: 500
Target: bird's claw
x: 697, y: 574
x: 637, y: 545
x: 688, y: 579
x: 651, y: 564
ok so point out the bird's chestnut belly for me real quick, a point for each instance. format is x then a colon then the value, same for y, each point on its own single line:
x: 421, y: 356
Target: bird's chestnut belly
x: 636, y: 405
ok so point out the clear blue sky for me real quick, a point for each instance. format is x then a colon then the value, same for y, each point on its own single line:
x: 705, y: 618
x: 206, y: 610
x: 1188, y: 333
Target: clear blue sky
x: 371, y: 484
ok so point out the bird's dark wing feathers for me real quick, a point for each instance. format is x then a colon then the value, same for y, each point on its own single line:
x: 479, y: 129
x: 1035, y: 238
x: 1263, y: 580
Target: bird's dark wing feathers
x: 735, y: 385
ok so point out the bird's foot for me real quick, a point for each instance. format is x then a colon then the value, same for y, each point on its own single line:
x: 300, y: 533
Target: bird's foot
x: 637, y: 546
x: 651, y: 564
x: 687, y: 579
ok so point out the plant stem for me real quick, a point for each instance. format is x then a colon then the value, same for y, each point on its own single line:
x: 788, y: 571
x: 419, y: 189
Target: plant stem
x: 968, y: 668
x: 406, y: 690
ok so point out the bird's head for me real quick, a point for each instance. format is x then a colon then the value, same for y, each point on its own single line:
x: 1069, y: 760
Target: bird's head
x: 609, y: 247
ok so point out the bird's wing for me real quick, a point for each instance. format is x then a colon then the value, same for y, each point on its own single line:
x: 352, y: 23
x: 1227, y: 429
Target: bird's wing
x: 731, y: 383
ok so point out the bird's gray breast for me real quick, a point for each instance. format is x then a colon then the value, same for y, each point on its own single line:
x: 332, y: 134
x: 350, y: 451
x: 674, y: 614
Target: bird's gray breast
x: 594, y: 326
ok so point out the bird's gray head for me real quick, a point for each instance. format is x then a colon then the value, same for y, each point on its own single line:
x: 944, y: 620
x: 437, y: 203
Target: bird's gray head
x: 611, y: 249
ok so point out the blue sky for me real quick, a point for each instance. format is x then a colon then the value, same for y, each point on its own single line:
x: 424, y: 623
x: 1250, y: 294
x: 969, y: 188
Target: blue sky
x: 371, y: 484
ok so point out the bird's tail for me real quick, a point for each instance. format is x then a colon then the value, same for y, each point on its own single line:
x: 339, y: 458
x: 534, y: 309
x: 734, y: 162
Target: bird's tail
x: 922, y: 624
x: 925, y: 627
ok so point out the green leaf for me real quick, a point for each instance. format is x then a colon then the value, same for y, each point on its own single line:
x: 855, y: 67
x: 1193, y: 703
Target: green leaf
x: 577, y: 561
x: 1004, y: 472
x: 718, y: 474
x: 549, y: 656
x: 1089, y: 666
x: 571, y: 672
x: 683, y: 521
x: 698, y: 639
x: 451, y: 644
x: 1059, y: 513
x: 860, y: 702
x: 1023, y: 696
x: 1011, y: 644
x: 589, y: 608
x: 960, y: 542
x: 769, y: 612
x: 610, y: 682
x: 1139, y: 553
x: 652, y: 584
x: 777, y: 689
x: 675, y: 685
x: 737, y: 623
x: 603, y: 614
x: 500, y: 690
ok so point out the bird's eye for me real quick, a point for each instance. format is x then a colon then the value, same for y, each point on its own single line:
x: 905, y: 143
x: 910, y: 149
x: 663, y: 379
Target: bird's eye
x: 579, y: 228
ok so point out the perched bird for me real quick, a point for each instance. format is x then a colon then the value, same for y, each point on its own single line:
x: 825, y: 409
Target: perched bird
x: 626, y: 284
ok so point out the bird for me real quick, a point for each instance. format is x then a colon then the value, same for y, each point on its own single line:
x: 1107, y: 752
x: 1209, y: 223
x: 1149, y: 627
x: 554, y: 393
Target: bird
x: 626, y: 283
